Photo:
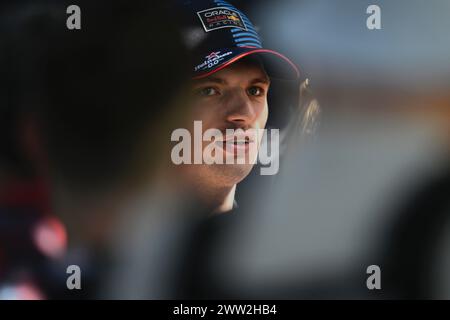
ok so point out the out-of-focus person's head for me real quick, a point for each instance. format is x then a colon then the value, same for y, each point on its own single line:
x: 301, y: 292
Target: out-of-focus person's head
x: 101, y: 91
x: 95, y: 105
x: 13, y: 159
x: 111, y: 91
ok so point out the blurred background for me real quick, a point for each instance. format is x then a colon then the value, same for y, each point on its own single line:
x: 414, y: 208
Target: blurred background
x: 370, y: 186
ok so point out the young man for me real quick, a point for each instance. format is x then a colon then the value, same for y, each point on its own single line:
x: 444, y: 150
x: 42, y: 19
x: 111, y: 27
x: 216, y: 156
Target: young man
x: 230, y: 82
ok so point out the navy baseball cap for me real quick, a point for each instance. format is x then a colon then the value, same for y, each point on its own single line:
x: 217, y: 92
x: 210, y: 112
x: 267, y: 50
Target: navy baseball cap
x: 217, y: 34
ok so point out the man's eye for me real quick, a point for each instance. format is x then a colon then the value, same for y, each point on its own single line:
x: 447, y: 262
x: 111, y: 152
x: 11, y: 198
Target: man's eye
x: 255, y: 91
x: 207, y: 92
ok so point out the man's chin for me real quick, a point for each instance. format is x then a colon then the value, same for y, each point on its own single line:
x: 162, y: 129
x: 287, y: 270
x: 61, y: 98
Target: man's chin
x: 231, y: 173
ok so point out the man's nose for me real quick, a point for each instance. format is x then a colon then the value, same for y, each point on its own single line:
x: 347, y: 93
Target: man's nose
x: 241, y: 111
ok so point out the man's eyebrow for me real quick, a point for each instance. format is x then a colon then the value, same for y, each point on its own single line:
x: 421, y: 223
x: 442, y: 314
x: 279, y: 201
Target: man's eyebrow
x: 223, y: 81
x: 260, y: 80
x: 210, y: 79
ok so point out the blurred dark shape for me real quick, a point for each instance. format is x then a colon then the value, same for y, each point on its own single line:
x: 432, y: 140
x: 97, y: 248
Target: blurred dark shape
x: 417, y: 240
x: 78, y: 108
x: 24, y: 194
x: 114, y: 78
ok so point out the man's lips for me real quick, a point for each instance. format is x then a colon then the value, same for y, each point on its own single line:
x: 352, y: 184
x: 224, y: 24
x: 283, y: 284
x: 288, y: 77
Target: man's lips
x: 240, y: 138
x: 236, y: 143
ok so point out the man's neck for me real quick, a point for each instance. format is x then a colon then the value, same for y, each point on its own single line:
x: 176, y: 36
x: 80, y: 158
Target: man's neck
x: 227, y: 203
x: 214, y: 200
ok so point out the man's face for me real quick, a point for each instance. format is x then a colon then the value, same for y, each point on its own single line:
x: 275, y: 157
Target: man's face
x: 232, y: 98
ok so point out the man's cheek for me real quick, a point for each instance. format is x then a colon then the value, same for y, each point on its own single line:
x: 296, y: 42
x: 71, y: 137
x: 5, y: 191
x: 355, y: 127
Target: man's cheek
x: 200, y: 109
x: 265, y: 116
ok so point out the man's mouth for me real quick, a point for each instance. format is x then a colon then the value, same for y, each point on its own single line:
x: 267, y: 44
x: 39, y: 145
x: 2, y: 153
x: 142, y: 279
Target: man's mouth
x: 238, y: 141
x: 235, y: 144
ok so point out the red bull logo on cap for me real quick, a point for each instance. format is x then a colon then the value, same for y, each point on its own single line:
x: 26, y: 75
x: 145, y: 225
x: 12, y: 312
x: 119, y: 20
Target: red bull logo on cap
x: 221, y: 17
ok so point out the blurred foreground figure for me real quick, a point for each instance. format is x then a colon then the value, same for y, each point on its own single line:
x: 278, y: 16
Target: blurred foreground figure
x: 91, y: 113
x: 31, y: 235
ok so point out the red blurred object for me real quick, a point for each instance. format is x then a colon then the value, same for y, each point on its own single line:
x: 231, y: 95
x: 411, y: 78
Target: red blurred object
x: 19, y: 193
x: 28, y: 230
x: 50, y: 237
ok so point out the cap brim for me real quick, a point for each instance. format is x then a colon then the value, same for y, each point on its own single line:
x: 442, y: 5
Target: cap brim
x: 276, y: 65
